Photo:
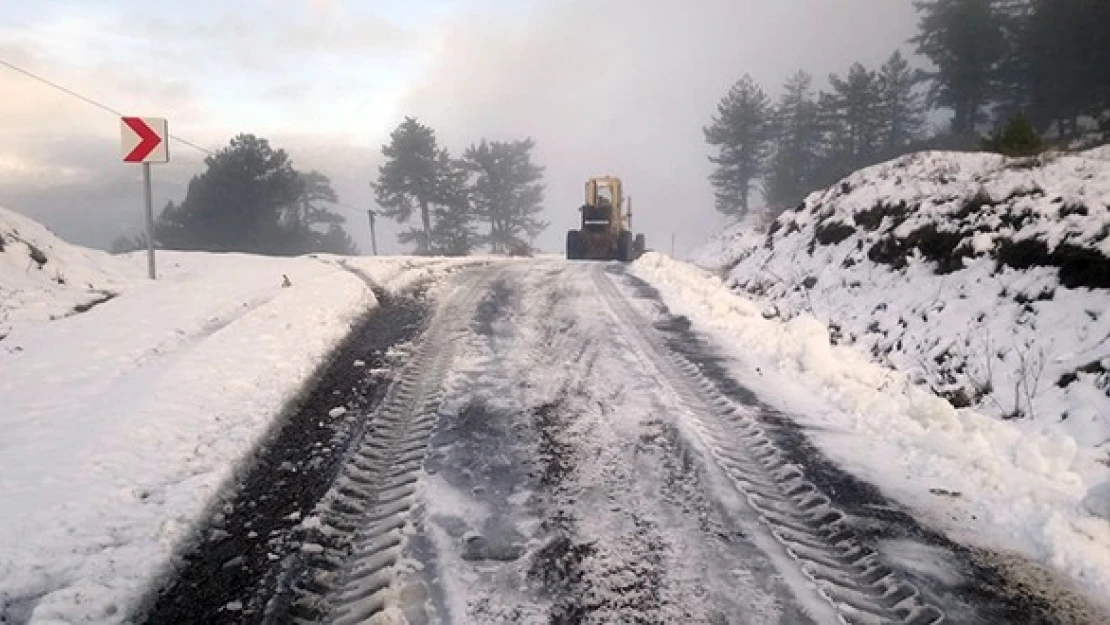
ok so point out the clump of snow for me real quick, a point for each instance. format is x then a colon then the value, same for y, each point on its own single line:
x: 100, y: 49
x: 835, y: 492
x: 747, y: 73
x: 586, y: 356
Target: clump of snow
x: 987, y: 279
x: 338, y: 411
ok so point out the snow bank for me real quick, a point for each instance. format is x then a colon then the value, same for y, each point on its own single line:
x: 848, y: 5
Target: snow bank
x: 986, y: 279
x: 120, y: 423
x: 42, y: 277
x: 998, y: 484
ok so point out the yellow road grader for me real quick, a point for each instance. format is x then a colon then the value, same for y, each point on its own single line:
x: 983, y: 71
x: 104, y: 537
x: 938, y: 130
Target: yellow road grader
x: 606, y: 232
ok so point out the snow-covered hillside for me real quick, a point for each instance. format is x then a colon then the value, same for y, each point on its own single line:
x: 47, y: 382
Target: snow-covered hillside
x: 42, y: 277
x: 120, y: 421
x: 985, y: 278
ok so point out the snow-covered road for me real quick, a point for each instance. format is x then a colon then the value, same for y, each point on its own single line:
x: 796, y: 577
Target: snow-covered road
x: 559, y: 488
x: 502, y: 441
x: 560, y: 448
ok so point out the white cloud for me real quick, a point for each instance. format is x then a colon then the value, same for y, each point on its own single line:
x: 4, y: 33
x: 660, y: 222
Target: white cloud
x: 15, y: 169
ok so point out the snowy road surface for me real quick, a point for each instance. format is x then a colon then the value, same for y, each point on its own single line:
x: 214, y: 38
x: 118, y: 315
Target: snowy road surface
x: 528, y: 441
x: 560, y: 448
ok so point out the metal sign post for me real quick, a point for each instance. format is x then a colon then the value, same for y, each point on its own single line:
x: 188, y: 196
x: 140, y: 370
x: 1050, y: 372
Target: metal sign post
x: 144, y: 140
x: 373, y: 235
x: 148, y: 195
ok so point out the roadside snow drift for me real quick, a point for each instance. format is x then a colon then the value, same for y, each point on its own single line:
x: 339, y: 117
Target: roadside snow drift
x: 120, y: 422
x: 987, y: 279
x: 953, y: 313
x: 995, y: 484
x: 43, y: 277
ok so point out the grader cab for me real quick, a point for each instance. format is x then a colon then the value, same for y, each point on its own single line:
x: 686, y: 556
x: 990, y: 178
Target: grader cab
x: 606, y: 232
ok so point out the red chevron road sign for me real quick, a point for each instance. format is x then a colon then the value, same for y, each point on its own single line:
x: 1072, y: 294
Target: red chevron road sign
x: 144, y: 140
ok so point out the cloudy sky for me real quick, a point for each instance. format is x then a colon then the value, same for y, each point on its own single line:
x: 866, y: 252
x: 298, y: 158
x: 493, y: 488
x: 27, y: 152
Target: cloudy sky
x: 604, y: 86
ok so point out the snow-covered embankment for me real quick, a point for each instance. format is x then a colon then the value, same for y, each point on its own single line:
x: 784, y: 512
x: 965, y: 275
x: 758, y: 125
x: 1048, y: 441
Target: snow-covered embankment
x: 952, y: 313
x: 122, y: 420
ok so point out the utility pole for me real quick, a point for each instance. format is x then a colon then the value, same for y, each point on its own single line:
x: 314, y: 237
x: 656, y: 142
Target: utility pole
x: 373, y: 235
x: 672, y: 245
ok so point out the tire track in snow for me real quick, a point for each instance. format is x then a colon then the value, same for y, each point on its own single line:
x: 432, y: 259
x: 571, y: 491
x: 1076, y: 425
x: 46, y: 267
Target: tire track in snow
x: 615, y: 578
x: 971, y: 584
x: 594, y: 576
x: 541, y: 505
x: 294, y: 468
x: 612, y: 526
x: 353, y: 561
x: 557, y: 573
x: 849, y: 574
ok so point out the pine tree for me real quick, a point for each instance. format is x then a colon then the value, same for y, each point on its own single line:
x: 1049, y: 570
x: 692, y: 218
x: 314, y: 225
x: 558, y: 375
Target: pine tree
x: 316, y: 190
x: 1014, y: 84
x: 900, y: 109
x: 506, y: 191
x: 454, y: 232
x: 237, y: 204
x: 251, y: 199
x: 1017, y: 138
x: 965, y: 41
x: 1100, y: 81
x: 796, y: 137
x: 1065, y: 54
x: 307, y: 226
x: 851, y: 120
x: 739, y: 131
x: 411, y: 180
x: 335, y: 241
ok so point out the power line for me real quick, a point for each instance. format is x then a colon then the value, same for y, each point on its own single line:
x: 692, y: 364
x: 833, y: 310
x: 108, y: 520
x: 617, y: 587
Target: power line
x: 196, y: 147
x: 60, y: 88
x: 349, y: 208
x: 88, y: 100
x: 105, y: 107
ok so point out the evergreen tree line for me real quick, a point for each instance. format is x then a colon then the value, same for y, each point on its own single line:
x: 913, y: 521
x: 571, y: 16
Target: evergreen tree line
x: 492, y: 196
x: 1037, y: 63
x: 251, y: 199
